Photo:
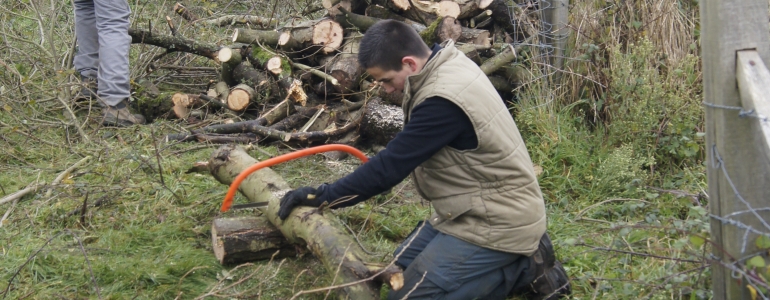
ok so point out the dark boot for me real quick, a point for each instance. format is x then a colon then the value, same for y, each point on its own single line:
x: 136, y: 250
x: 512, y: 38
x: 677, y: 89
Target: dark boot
x: 120, y: 116
x: 88, y: 90
x: 551, y: 280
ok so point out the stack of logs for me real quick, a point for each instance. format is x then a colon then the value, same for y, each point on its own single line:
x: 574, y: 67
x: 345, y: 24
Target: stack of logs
x: 303, y: 81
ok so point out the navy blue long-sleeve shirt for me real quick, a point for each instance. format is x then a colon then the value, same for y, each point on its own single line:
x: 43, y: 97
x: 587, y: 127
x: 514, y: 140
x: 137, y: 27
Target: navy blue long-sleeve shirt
x: 433, y: 124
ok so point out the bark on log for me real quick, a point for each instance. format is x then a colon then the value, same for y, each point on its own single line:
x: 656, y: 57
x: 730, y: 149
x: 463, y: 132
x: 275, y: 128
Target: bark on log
x: 262, y: 83
x: 183, y: 103
x: 502, y: 18
x: 505, y: 57
x: 295, y: 120
x: 256, y: 37
x: 324, y: 35
x: 349, y: 19
x: 186, y: 14
x: 243, y: 239
x: 481, y: 20
x: 305, y: 225
x: 381, y: 122
x: 230, y: 59
x: 229, y: 20
x: 394, y: 5
x: 222, y: 91
x: 173, y: 43
x: 447, y: 29
x: 279, y: 112
x: 470, y: 8
x: 475, y: 36
x: 440, y: 9
x: 382, y: 13
x: 345, y: 67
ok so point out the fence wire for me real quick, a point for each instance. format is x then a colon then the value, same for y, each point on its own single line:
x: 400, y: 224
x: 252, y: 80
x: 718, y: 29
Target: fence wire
x: 738, y: 267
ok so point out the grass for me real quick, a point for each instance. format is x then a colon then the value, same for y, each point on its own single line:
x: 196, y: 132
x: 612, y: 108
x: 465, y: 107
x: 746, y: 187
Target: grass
x: 611, y: 167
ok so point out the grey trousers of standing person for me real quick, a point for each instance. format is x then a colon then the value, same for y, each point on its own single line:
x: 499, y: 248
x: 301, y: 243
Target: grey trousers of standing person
x: 101, y: 27
x: 444, y: 267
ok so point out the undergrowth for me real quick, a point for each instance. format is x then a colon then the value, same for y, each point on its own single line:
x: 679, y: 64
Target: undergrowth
x: 618, y: 139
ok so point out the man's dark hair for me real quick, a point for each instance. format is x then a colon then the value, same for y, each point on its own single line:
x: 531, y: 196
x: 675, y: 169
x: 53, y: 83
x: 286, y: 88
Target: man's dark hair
x: 387, y: 42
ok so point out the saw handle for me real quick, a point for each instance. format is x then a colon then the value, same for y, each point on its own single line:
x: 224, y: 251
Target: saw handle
x: 228, y: 201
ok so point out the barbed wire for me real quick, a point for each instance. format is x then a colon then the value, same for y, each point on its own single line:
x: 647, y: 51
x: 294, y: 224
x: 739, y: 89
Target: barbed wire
x: 717, y: 162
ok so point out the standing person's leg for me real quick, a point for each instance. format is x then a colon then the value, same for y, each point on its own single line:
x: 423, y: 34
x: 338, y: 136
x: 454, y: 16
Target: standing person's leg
x: 112, y: 24
x: 87, y: 58
x: 449, y: 268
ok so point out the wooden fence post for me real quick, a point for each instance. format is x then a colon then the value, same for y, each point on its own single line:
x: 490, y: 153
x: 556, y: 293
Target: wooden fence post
x: 738, y: 164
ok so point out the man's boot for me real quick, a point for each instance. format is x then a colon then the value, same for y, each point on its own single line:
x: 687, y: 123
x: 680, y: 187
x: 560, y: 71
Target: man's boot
x: 551, y: 280
x: 88, y: 90
x: 120, y: 116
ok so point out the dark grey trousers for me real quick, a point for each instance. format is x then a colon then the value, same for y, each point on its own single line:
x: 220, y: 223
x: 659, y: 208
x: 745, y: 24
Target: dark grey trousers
x: 444, y: 267
x: 101, y: 27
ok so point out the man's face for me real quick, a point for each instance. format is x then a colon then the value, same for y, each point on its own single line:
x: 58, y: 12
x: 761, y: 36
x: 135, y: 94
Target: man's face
x: 393, y: 81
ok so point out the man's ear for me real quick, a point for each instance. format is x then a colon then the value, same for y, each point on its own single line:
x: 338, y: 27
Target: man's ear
x: 411, y: 63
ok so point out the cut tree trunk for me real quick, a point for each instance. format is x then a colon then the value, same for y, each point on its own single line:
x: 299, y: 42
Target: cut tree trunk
x: 173, y: 43
x: 505, y: 57
x: 475, y: 36
x: 381, y: 122
x: 240, y: 97
x: 395, y: 5
x: 322, y: 35
x: 230, y: 59
x: 345, y: 67
x: 256, y: 37
x: 339, y: 253
x: 183, y: 103
x: 186, y: 14
x: 229, y: 20
x: 263, y: 84
x: 243, y: 239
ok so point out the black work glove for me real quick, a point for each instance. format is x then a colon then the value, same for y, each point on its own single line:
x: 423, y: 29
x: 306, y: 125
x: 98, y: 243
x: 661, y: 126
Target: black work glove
x: 304, y: 196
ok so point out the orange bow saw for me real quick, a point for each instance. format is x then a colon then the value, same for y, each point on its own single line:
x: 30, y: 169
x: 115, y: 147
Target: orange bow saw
x: 228, y: 201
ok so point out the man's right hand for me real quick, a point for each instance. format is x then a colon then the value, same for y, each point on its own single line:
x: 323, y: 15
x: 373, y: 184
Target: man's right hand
x: 304, y: 196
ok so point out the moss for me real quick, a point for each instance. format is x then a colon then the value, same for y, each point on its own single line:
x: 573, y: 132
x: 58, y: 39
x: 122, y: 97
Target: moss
x: 428, y: 35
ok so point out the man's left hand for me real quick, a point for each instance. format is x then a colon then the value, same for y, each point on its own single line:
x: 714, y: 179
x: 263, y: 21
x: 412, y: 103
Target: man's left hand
x: 304, y: 196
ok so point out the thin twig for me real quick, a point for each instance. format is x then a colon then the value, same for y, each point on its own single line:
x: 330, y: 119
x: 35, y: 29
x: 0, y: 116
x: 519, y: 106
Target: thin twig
x: 8, y: 212
x: 32, y: 187
x: 415, y: 286
x: 88, y: 263
x: 578, y: 216
x: 65, y: 173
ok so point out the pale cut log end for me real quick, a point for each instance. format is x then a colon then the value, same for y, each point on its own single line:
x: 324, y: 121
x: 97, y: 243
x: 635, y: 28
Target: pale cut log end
x: 180, y: 99
x: 329, y: 34
x: 274, y: 65
x: 402, y: 4
x: 238, y: 99
x: 327, y: 4
x: 212, y: 93
x: 178, y: 6
x: 485, y: 3
x: 225, y: 54
x: 235, y: 35
x: 218, y: 245
x: 397, y: 281
x: 181, y: 112
x: 284, y: 38
x: 449, y: 9
x: 484, y: 39
x: 449, y: 29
